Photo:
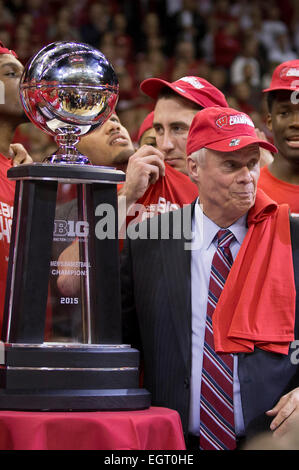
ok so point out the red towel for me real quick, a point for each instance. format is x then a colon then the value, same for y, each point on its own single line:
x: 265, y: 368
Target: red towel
x: 257, y: 304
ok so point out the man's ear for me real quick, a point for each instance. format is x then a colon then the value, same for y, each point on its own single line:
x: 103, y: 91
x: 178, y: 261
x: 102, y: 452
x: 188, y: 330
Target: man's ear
x: 269, y: 121
x: 192, y: 168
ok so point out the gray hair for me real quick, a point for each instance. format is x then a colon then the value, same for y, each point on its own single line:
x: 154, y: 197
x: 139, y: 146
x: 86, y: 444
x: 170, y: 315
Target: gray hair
x: 199, y: 156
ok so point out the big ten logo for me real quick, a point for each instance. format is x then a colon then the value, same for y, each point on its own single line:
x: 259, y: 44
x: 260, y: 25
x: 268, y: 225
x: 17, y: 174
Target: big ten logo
x: 6, y: 213
x: 71, y: 228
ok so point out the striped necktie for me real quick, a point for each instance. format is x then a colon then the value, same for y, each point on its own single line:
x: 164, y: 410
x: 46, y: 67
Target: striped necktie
x: 216, y: 402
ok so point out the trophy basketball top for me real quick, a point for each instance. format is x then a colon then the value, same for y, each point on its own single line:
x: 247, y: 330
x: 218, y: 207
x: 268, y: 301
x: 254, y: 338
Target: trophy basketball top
x: 68, y: 89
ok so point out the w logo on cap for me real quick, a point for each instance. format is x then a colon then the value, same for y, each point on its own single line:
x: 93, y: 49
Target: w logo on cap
x: 222, y: 121
x: 192, y: 81
x: 289, y: 72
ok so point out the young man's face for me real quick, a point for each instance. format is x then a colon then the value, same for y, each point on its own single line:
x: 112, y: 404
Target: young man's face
x: 10, y: 73
x: 283, y: 121
x: 172, y: 120
x: 109, y: 145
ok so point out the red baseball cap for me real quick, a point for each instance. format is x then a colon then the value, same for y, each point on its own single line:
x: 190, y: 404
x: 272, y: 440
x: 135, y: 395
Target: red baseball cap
x: 285, y: 76
x: 146, y: 125
x: 223, y: 129
x: 4, y: 50
x: 195, y: 89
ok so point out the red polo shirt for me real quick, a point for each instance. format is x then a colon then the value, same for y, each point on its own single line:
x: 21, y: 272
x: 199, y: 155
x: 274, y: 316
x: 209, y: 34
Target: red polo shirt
x: 7, y: 193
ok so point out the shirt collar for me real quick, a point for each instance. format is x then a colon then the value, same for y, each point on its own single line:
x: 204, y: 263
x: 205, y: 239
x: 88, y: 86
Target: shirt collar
x: 205, y: 229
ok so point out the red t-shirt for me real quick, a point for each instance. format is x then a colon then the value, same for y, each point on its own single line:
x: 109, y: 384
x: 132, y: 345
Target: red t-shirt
x: 279, y: 191
x: 169, y: 193
x: 7, y: 193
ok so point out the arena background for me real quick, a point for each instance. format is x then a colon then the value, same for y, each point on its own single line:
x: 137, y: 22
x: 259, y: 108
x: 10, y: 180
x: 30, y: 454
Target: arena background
x: 233, y: 44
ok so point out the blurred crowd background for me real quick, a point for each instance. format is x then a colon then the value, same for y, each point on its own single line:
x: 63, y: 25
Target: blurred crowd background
x: 234, y: 44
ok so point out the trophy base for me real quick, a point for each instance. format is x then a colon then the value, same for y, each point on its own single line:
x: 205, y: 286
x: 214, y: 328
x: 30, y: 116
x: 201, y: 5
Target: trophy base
x: 75, y: 400
x: 53, y: 376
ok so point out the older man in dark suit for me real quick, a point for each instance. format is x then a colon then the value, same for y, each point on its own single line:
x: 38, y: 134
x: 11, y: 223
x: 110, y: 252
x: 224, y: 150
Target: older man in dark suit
x: 209, y: 294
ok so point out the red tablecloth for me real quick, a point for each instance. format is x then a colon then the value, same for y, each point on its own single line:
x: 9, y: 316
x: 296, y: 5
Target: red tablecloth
x: 151, y: 429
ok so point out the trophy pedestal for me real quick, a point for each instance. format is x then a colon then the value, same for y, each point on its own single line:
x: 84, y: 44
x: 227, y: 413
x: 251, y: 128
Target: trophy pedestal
x: 99, y: 373
x: 74, y: 400
x: 71, y: 377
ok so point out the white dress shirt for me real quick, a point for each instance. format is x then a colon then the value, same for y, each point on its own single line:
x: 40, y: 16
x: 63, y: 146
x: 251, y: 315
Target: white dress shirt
x: 203, y: 247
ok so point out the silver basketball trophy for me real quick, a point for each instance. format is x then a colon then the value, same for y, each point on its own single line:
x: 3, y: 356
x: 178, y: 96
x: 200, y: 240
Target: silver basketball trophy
x: 67, y: 89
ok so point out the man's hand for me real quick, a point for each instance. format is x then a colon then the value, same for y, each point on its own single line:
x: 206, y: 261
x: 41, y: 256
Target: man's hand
x: 286, y: 413
x: 144, y: 168
x: 19, y: 155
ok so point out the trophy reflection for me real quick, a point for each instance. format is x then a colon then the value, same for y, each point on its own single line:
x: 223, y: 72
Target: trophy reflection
x: 63, y: 349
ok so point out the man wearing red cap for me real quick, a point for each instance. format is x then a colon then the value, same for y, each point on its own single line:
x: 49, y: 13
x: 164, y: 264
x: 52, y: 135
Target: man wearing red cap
x: 176, y: 105
x: 280, y: 179
x: 11, y: 115
x: 211, y: 301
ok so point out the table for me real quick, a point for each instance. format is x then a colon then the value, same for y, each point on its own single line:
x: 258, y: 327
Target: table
x: 155, y: 428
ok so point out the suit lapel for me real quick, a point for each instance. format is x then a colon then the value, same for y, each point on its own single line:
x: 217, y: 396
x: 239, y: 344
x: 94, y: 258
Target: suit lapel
x: 176, y: 261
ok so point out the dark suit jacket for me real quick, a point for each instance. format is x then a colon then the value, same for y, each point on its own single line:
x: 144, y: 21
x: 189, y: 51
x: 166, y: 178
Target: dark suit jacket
x: 156, y: 296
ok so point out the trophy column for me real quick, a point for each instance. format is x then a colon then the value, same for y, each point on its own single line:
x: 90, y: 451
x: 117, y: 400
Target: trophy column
x: 99, y: 372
